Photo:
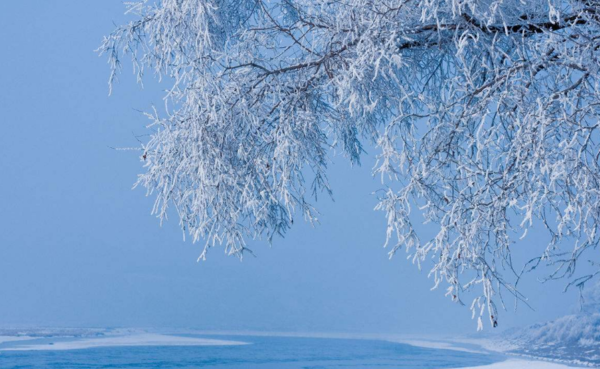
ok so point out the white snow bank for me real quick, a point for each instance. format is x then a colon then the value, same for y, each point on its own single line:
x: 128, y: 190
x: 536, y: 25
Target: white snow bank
x: 434, y: 344
x: 4, y: 339
x: 522, y: 364
x: 512, y: 363
x: 146, y: 339
x: 489, y: 344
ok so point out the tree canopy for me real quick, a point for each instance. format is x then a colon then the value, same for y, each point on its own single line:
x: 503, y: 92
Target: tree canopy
x: 484, y: 114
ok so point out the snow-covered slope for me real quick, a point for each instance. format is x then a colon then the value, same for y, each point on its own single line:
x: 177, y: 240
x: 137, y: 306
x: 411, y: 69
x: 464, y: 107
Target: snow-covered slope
x: 573, y: 338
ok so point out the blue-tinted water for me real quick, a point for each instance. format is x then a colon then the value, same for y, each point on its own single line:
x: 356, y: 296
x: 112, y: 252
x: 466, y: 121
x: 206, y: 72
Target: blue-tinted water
x: 261, y: 353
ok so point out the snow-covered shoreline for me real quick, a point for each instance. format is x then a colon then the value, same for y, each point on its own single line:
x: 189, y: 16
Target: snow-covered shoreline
x: 4, y: 339
x: 437, y: 344
x: 141, y: 339
x: 513, y: 361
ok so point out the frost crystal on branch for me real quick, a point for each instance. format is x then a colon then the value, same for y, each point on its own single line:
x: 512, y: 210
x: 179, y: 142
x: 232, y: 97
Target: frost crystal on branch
x: 485, y: 114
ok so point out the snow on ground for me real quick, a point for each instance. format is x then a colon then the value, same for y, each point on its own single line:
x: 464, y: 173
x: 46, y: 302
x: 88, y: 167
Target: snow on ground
x: 4, y: 339
x: 489, y: 344
x: 522, y: 364
x: 574, y: 338
x: 435, y: 344
x: 146, y: 339
x: 511, y: 363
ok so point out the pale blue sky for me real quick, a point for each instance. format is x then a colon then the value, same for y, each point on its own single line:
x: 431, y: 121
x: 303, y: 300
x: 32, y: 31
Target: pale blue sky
x: 78, y: 247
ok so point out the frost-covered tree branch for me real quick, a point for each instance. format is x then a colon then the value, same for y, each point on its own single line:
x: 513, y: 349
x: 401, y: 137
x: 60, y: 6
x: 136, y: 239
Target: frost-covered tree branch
x: 485, y: 114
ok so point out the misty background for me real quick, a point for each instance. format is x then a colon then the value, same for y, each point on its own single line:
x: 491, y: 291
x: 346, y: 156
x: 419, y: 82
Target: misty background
x: 79, y: 248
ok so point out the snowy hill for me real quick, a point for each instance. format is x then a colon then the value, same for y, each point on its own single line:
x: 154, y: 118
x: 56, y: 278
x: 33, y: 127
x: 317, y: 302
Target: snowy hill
x: 572, y: 338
